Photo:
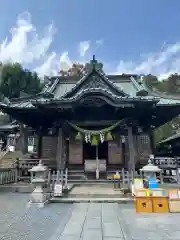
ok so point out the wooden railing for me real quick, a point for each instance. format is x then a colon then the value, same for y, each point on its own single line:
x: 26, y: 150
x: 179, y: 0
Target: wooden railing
x: 8, y: 176
x: 3, y: 152
x: 31, y: 162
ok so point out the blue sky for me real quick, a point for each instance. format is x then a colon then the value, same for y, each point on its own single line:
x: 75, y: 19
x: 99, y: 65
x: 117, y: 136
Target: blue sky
x: 128, y: 36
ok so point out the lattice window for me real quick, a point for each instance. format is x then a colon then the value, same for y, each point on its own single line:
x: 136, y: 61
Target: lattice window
x: 31, y: 141
x: 143, y: 144
x: 11, y: 139
x: 143, y: 139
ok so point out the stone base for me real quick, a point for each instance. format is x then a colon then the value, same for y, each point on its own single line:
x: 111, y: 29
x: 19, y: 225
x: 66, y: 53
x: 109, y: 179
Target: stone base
x: 36, y: 204
x: 122, y: 200
x: 38, y: 197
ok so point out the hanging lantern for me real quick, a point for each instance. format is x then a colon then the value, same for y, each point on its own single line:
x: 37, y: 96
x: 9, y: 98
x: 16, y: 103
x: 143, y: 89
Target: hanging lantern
x: 109, y: 136
x: 89, y: 137
x: 101, y: 137
x: 78, y: 136
x: 86, y: 138
x: 94, y: 141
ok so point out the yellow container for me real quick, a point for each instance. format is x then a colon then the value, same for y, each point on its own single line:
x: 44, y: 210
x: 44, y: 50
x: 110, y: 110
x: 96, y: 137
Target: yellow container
x: 160, y: 204
x: 174, y: 205
x: 143, y: 205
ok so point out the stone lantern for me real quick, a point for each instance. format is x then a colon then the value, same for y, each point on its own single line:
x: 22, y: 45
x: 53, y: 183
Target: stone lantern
x: 39, y: 195
x: 150, y: 169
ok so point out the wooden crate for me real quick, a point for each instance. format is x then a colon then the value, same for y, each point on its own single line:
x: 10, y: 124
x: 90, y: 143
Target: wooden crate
x: 174, y: 205
x: 160, y: 204
x: 159, y: 193
x: 142, y: 193
x: 143, y: 205
x: 173, y: 194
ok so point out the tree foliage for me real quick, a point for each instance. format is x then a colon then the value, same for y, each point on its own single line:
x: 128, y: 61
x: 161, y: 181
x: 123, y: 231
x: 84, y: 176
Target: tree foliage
x: 75, y: 70
x: 15, y: 79
x: 171, y: 85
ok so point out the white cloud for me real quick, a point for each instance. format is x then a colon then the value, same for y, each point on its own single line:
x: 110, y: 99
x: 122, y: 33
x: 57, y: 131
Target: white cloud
x: 99, y: 42
x: 83, y: 48
x: 162, y: 63
x: 26, y: 46
x: 30, y: 47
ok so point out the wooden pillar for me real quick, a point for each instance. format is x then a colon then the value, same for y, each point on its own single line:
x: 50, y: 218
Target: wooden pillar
x: 59, y: 152
x: 24, y: 137
x: 39, y: 146
x: 131, y: 164
x: 152, y: 143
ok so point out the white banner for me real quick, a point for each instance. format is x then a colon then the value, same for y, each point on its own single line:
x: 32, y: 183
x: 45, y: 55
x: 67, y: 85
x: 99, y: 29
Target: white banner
x: 58, y: 190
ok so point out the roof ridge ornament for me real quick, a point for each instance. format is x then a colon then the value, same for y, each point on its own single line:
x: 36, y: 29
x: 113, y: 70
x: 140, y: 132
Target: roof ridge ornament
x: 93, y: 65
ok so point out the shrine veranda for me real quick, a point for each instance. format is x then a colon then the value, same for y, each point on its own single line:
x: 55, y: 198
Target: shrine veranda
x: 93, y: 122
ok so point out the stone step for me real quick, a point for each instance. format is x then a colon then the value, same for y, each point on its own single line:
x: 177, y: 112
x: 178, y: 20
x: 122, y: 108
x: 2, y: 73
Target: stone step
x: 105, y: 195
x: 75, y: 171
x: 77, y: 177
x: 122, y: 200
x: 90, y: 181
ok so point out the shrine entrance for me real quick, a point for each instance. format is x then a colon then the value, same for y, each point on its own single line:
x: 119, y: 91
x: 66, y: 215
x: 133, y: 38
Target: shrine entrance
x: 95, y: 158
x: 91, y: 151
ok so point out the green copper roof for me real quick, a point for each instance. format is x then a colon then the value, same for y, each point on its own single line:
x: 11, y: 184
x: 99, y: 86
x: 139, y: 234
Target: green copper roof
x: 63, y: 88
x: 169, y: 139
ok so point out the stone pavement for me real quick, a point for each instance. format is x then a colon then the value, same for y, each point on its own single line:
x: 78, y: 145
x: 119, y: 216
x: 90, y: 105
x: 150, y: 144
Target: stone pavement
x: 82, y: 221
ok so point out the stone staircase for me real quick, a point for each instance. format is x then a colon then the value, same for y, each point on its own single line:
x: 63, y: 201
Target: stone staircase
x: 97, y: 190
x: 7, y: 161
x: 79, y: 176
x: 76, y: 175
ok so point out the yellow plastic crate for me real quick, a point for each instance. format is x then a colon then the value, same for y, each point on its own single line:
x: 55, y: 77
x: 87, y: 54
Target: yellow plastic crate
x: 160, y: 204
x: 143, y: 205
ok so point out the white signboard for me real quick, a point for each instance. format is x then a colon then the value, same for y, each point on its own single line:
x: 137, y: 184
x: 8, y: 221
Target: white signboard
x: 30, y: 149
x: 58, y: 190
x: 138, y: 183
x: 11, y: 148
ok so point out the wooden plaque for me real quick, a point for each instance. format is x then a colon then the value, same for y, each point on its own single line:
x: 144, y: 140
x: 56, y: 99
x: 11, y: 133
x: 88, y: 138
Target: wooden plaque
x: 114, y: 153
x: 75, y: 152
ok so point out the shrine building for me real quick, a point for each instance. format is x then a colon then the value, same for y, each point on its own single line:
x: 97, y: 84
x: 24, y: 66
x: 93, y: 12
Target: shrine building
x: 94, y: 122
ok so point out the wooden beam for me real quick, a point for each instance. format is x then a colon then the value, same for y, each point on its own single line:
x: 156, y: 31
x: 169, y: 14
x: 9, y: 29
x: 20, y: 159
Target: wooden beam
x: 59, y: 151
x: 39, y: 149
x: 131, y: 151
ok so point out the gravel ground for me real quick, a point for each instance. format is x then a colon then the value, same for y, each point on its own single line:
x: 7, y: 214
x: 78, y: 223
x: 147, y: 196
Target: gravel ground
x: 19, y: 222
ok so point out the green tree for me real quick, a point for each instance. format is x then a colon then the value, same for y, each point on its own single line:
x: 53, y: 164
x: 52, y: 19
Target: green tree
x: 74, y: 70
x: 15, y: 79
x: 151, y: 81
x: 172, y: 83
